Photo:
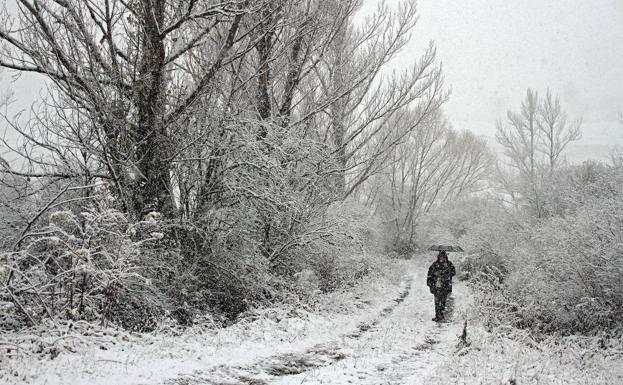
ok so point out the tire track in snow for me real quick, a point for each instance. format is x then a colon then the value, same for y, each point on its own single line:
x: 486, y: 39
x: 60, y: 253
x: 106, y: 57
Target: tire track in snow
x: 406, y: 349
x: 318, y: 356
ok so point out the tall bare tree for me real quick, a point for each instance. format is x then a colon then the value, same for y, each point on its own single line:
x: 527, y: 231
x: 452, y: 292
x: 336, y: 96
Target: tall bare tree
x: 533, y: 140
x: 556, y: 132
x: 109, y: 64
x: 433, y: 165
x: 363, y: 98
x: 520, y: 137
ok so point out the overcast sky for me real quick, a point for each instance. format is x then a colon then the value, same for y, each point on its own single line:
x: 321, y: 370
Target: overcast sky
x: 493, y: 50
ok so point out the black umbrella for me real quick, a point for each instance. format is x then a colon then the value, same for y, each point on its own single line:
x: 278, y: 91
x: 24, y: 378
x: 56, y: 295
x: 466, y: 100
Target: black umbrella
x: 445, y: 248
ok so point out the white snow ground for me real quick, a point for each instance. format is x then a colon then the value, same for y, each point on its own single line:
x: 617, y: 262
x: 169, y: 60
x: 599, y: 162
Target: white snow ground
x: 120, y: 358
x: 380, y: 334
x: 404, y: 348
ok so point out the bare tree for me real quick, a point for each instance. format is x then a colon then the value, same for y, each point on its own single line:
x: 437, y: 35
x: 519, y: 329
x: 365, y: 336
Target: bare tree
x: 519, y: 136
x: 363, y: 99
x: 432, y: 166
x: 533, y: 140
x: 110, y: 66
x: 556, y: 131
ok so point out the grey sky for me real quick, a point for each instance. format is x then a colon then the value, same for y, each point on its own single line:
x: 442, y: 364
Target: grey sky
x: 493, y: 50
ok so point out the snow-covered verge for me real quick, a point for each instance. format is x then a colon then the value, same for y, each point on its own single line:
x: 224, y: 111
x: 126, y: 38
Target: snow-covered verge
x: 507, y: 355
x: 378, y: 332
x: 511, y: 356
x: 408, y: 349
x: 90, y: 355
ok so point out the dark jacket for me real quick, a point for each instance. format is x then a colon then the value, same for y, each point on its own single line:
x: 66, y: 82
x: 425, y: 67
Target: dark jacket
x: 439, y: 278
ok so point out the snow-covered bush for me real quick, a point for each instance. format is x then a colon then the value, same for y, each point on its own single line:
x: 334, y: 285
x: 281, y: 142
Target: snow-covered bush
x: 484, y: 229
x: 340, y: 247
x: 212, y: 271
x: 87, y: 266
x: 561, y: 274
x: 267, y: 211
x: 577, y: 268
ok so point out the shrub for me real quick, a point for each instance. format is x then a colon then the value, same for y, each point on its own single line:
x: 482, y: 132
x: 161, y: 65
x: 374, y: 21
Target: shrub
x: 339, y: 247
x: 561, y: 274
x: 81, y: 266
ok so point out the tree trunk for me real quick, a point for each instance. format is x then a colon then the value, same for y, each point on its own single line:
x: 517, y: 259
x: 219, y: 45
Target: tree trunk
x: 337, y: 110
x: 152, y: 190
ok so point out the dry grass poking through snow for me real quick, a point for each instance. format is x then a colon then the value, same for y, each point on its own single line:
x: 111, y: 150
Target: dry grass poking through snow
x: 512, y: 357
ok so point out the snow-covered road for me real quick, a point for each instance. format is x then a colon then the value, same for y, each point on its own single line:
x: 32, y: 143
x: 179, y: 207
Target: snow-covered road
x: 400, y: 345
x: 404, y: 347
x: 379, y: 332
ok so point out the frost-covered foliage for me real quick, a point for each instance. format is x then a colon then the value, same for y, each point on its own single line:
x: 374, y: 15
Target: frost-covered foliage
x: 88, y: 265
x: 343, y: 250
x: 561, y: 274
x: 517, y: 358
x: 262, y: 221
x: 245, y: 124
x: 431, y: 167
x: 96, y: 265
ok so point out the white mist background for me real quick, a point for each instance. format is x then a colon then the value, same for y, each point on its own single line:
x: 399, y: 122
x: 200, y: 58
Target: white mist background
x: 492, y: 51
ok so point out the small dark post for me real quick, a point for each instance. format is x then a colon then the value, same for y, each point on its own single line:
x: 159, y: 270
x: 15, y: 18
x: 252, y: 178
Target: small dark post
x: 464, y: 334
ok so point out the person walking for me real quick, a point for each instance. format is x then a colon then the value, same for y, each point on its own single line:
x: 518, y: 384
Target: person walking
x: 439, y: 281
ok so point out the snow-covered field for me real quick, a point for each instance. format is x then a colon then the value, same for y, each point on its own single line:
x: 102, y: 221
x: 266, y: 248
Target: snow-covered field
x: 379, y: 333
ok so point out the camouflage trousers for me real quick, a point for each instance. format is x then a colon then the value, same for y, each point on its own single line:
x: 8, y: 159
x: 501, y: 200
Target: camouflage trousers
x: 440, y: 303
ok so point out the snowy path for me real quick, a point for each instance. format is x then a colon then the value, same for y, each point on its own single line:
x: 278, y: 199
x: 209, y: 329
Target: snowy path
x: 400, y: 346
